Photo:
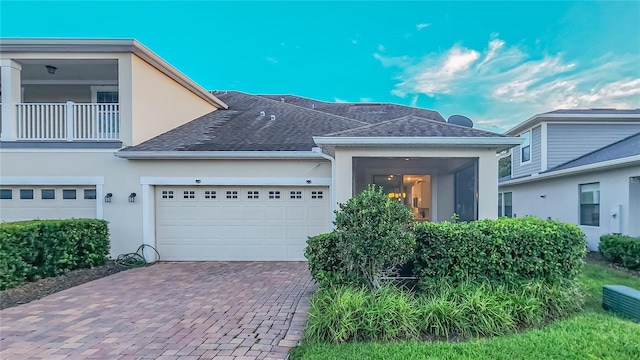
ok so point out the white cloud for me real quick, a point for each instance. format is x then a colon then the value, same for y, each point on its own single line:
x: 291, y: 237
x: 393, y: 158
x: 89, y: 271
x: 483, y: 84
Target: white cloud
x: 272, y: 60
x: 511, y: 85
x: 422, y: 26
x: 366, y: 99
x: 338, y: 100
x: 381, y: 48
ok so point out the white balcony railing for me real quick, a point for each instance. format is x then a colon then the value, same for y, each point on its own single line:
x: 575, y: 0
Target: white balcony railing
x: 68, y: 121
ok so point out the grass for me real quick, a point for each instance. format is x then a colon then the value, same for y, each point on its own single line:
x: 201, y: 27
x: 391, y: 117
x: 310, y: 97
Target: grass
x: 592, y: 334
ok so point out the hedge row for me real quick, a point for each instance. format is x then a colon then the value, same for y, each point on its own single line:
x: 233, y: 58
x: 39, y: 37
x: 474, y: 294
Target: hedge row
x: 621, y: 249
x: 500, y: 251
x: 31, y: 250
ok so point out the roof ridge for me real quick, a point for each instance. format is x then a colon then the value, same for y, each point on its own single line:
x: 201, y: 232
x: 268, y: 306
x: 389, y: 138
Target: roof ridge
x: 306, y: 108
x: 592, y: 152
x: 370, y: 125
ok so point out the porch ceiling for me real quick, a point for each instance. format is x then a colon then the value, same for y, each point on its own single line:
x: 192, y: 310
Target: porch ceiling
x: 34, y: 71
x: 413, y: 165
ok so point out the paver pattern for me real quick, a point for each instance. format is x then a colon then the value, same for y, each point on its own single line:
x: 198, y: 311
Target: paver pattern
x: 171, y: 310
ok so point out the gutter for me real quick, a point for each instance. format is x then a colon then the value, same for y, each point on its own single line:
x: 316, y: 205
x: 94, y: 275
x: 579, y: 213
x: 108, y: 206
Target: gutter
x: 332, y: 195
x: 499, y: 142
x: 616, y: 163
x: 172, y: 155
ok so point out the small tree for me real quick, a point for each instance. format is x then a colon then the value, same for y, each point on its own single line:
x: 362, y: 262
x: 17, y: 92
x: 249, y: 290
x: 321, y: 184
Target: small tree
x: 375, y: 235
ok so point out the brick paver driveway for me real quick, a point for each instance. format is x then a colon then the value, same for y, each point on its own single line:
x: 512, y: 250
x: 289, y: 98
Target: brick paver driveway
x: 204, y: 310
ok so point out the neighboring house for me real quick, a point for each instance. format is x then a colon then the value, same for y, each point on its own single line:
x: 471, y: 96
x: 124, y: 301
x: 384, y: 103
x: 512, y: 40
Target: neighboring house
x: 578, y: 166
x: 115, y: 132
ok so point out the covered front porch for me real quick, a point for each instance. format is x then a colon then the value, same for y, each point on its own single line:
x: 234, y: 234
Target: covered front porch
x: 435, y: 183
x: 432, y: 188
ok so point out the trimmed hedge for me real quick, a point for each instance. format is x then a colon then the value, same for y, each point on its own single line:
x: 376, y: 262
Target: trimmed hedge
x: 621, y: 249
x: 31, y: 250
x: 500, y: 251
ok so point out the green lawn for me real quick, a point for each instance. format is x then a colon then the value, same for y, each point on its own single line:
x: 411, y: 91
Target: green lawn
x: 593, y: 334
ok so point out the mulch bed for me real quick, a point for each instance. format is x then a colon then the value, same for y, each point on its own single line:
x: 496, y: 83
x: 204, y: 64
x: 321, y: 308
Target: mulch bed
x: 595, y: 258
x: 36, y: 290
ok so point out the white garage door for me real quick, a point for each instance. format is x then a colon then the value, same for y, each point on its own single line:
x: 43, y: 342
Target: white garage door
x: 47, y: 202
x: 239, y: 223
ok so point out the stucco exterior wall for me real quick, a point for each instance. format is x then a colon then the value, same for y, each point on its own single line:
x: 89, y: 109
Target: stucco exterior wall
x: 159, y: 103
x: 561, y: 200
x: 122, y: 177
x: 487, y: 179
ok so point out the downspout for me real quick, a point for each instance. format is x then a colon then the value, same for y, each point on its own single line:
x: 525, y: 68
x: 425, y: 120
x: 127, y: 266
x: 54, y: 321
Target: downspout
x: 332, y: 191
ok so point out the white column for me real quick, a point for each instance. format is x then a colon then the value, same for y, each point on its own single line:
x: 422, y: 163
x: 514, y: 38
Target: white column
x: 148, y: 221
x: 11, y: 93
x: 488, y: 185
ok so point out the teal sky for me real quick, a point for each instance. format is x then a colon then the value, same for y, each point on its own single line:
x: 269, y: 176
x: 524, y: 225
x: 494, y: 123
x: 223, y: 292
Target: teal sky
x: 497, y: 62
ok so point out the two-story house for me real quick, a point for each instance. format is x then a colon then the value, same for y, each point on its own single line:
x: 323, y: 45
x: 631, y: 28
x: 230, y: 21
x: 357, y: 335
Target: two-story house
x: 107, y: 129
x: 578, y: 166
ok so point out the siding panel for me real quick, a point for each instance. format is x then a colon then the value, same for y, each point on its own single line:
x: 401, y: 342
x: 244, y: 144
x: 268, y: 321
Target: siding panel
x: 566, y: 142
x: 534, y: 165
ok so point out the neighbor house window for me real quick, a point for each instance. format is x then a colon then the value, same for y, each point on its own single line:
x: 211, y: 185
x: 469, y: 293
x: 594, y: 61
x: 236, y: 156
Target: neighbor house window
x: 26, y: 194
x: 525, y: 152
x: 89, y: 194
x: 69, y: 194
x: 48, y: 194
x: 6, y: 194
x: 590, y: 204
x: 499, y: 204
x: 508, y: 209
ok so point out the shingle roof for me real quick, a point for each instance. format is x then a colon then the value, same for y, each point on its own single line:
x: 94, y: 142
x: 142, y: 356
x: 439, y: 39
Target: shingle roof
x: 248, y: 126
x: 629, y: 146
x: 409, y: 126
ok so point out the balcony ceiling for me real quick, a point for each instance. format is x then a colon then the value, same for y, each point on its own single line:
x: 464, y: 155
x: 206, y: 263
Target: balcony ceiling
x: 34, y: 71
x: 414, y: 166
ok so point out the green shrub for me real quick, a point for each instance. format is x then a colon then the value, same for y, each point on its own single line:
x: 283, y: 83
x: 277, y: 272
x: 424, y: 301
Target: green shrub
x: 501, y: 251
x: 375, y: 235
x: 341, y: 314
x: 30, y: 250
x: 621, y: 249
x: 325, y: 262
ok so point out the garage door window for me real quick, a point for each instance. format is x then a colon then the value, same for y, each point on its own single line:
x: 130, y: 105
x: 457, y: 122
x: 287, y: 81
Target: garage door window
x: 189, y: 194
x: 253, y: 194
x: 274, y: 194
x: 89, y: 194
x: 317, y: 195
x: 48, y: 194
x: 69, y: 194
x: 167, y: 194
x: 26, y: 194
x: 232, y: 194
x: 295, y: 195
x: 210, y: 194
x: 6, y: 194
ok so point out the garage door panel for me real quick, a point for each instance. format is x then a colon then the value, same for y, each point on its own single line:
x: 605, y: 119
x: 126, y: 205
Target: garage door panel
x: 240, y: 223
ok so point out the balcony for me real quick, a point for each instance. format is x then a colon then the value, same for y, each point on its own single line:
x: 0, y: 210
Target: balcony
x: 68, y: 121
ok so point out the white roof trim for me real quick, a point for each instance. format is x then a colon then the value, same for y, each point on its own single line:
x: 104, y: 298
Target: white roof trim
x: 132, y: 155
x: 538, y: 118
x: 622, y: 162
x: 110, y: 45
x: 418, y: 140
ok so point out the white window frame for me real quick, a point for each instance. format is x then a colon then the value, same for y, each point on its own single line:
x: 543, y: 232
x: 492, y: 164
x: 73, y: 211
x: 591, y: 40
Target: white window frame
x: 522, y: 147
x: 101, y: 88
x: 580, y: 186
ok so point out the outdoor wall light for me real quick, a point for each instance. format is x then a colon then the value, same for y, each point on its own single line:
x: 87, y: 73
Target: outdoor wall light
x: 107, y: 198
x: 51, y: 69
x: 132, y: 197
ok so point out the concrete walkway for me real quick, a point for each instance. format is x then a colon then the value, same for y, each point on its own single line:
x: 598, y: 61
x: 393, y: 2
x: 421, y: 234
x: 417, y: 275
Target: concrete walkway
x: 188, y: 310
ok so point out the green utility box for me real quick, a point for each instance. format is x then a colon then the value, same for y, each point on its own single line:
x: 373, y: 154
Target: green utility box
x: 622, y: 300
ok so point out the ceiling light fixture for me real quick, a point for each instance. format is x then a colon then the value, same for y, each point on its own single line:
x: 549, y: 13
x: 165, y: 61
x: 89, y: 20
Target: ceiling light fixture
x: 51, y: 69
